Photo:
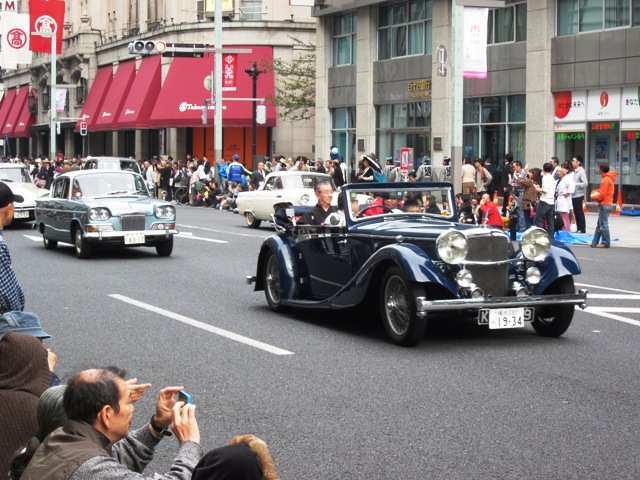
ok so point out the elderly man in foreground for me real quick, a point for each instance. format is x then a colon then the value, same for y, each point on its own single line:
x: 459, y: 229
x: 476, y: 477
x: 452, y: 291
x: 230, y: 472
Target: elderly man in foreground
x: 95, y: 443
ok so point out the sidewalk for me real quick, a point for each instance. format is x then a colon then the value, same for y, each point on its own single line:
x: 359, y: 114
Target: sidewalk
x: 625, y: 228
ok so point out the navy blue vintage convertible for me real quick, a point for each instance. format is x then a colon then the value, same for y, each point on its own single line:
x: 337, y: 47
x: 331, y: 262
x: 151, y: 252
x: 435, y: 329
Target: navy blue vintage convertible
x: 406, y: 253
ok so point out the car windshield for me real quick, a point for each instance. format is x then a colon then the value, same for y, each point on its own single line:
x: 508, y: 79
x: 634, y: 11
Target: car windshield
x: 20, y: 175
x: 304, y: 181
x: 110, y: 184
x: 401, y: 200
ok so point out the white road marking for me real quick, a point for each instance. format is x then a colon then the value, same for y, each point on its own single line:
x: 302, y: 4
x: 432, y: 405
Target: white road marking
x: 611, y: 296
x: 191, y: 237
x: 226, y: 232
x: 597, y: 311
x: 606, y: 288
x: 34, y: 238
x: 204, y: 326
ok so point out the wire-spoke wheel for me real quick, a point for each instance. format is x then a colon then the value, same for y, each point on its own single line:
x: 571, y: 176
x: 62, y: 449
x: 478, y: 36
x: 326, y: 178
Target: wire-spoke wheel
x: 399, y: 310
x: 271, y: 282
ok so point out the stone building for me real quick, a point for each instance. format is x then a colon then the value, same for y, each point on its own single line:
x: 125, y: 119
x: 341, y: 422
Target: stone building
x: 142, y: 105
x: 563, y: 79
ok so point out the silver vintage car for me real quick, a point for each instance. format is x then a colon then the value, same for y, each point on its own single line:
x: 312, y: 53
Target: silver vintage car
x: 17, y: 177
x: 92, y: 207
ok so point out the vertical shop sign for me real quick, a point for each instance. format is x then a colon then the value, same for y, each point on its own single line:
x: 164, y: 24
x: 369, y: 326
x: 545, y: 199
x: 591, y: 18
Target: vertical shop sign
x: 474, y: 53
x: 229, y: 72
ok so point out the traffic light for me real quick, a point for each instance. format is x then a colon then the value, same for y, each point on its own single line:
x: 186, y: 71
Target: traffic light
x: 148, y: 47
x: 83, y: 128
x: 261, y: 114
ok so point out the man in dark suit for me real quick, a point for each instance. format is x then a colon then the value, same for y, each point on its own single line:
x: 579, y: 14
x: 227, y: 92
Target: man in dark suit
x: 258, y: 176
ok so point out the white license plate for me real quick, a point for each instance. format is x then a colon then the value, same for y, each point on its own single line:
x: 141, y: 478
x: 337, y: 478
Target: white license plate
x: 506, y: 318
x: 133, y: 238
x: 21, y: 214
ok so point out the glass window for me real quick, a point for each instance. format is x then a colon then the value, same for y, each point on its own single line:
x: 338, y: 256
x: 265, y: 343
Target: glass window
x: 496, y: 129
x: 343, y: 134
x: 576, y: 16
x: 400, y: 34
x: 471, y: 110
x: 404, y: 125
x: 344, y: 40
x: 517, y: 108
x: 507, y: 24
x: 504, y: 25
x: 616, y: 13
x: 493, y: 109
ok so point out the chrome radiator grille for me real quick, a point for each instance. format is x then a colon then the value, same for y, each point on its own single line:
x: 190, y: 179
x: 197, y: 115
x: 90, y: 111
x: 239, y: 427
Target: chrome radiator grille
x: 132, y: 222
x: 492, y: 279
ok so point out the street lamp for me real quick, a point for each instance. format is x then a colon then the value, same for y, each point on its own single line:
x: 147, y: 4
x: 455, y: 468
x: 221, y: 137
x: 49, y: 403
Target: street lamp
x: 254, y: 73
x: 52, y: 93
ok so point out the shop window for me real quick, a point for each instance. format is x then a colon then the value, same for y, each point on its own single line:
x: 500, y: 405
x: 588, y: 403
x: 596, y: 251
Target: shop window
x: 344, y: 39
x: 403, y: 125
x: 492, y: 123
x: 343, y: 134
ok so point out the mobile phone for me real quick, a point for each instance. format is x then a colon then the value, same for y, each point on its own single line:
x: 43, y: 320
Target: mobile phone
x: 184, y: 397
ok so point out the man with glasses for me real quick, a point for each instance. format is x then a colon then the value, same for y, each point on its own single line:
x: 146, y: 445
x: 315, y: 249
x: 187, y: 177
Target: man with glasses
x: 319, y: 213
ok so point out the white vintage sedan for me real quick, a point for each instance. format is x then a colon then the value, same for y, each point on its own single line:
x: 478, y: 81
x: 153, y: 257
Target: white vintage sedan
x: 292, y: 187
x: 17, y: 176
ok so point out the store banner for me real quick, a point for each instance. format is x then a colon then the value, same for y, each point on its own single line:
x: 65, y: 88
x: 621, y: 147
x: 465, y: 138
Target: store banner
x: 570, y: 106
x: 603, y: 104
x: 631, y: 103
x: 46, y: 17
x: 229, y: 72
x: 474, y: 50
x: 14, y: 28
x: 61, y: 99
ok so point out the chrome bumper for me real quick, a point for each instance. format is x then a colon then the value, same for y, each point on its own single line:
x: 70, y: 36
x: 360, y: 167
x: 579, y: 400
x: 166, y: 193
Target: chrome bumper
x: 119, y: 234
x: 425, y: 306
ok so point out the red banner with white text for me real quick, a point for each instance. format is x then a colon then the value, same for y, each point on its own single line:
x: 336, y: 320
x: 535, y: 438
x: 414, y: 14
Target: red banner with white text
x: 46, y: 17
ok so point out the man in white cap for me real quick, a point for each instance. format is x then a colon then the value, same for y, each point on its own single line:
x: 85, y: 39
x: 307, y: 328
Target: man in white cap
x: 11, y: 294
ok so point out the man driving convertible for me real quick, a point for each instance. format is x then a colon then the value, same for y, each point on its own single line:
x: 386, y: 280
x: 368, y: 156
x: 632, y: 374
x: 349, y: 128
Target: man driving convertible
x: 319, y: 213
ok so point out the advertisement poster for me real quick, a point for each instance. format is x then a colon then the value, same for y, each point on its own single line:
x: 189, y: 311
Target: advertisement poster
x: 625, y: 158
x: 602, y: 152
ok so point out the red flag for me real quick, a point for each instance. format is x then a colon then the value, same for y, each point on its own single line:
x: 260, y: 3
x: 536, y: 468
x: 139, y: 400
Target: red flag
x: 46, y: 16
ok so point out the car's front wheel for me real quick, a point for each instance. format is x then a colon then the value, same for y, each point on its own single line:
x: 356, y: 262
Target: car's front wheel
x: 553, y: 321
x: 271, y: 282
x: 83, y: 248
x: 48, y: 243
x: 252, y: 221
x: 165, y: 248
x: 399, y: 309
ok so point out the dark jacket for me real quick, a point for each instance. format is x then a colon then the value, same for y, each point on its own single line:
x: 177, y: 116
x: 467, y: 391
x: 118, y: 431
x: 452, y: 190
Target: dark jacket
x: 24, y: 376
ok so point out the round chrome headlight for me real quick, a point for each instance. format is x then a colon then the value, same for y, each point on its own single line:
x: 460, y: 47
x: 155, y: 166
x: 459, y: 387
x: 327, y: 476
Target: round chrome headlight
x: 99, y: 214
x: 304, y: 199
x: 535, y: 244
x: 464, y: 278
x: 165, y: 211
x: 533, y: 275
x: 452, y: 247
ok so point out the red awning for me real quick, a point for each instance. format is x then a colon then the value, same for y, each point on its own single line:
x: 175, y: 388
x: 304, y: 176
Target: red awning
x: 25, y: 119
x: 97, y: 94
x: 142, y: 96
x: 19, y: 103
x: 5, y: 108
x: 183, y: 92
x: 110, y: 110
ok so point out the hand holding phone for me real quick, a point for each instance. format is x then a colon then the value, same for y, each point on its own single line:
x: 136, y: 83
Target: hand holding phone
x: 183, y: 396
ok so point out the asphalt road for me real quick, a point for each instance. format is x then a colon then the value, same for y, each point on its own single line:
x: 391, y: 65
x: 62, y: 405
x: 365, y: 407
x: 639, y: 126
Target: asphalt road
x: 328, y: 393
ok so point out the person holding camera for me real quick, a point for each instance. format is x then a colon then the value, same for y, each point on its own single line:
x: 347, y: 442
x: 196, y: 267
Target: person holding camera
x: 95, y: 442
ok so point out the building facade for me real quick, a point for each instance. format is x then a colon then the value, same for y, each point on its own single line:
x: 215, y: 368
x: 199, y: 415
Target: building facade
x: 142, y: 105
x: 563, y: 78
